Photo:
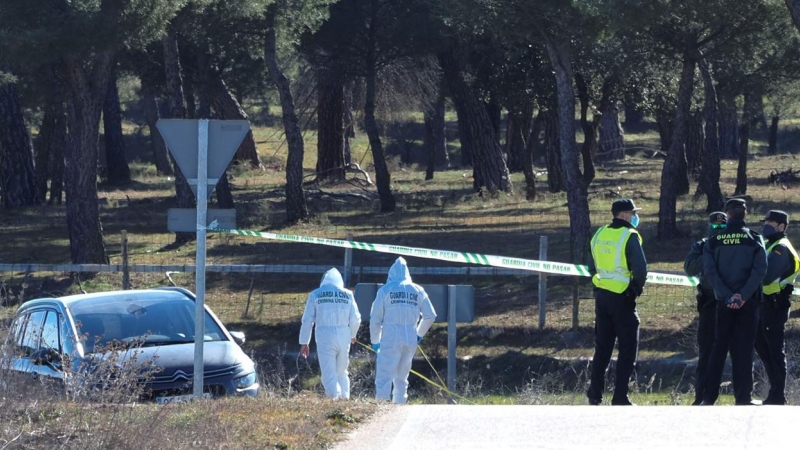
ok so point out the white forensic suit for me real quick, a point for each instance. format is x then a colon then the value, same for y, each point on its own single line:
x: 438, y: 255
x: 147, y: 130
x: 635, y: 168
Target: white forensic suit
x: 333, y: 309
x: 395, y: 324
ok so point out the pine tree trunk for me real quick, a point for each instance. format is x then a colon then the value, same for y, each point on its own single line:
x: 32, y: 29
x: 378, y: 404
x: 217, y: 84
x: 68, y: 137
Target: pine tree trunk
x: 151, y: 113
x: 773, y: 135
x: 794, y: 11
x: 749, y: 119
x: 42, y: 149
x: 17, y: 170
x: 710, y: 158
x: 117, y: 170
x: 382, y: 176
x: 577, y: 201
x: 612, y: 137
x: 552, y: 154
x: 330, y: 126
x: 348, y: 121
x: 296, y: 209
x: 673, y: 175
x: 527, y: 162
x: 728, y: 126
x: 435, y: 140
x: 590, y: 145
x: 177, y: 110
x: 694, y: 144
x: 227, y: 107
x: 87, y: 92
x: 517, y: 131
x: 475, y: 126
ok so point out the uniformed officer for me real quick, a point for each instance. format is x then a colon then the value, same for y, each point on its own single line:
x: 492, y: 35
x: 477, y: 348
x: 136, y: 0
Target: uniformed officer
x: 735, y: 263
x: 706, y: 305
x: 782, y: 268
x: 619, y: 271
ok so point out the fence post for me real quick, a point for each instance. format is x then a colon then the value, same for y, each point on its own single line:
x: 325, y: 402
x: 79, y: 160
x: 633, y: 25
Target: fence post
x: 126, y: 272
x: 451, y: 339
x: 542, y: 282
x: 348, y: 262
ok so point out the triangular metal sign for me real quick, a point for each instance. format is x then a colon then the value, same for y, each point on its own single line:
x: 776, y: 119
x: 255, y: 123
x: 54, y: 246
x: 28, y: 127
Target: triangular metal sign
x: 224, y: 138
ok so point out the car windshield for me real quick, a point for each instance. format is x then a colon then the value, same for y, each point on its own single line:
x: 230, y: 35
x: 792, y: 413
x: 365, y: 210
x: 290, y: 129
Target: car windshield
x: 153, y: 319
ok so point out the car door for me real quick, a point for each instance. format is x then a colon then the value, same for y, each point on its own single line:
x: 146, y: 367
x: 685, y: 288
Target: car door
x: 37, y: 348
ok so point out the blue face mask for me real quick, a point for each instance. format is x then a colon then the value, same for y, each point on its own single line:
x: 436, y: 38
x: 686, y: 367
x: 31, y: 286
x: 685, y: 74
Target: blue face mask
x: 768, y: 230
x: 635, y: 221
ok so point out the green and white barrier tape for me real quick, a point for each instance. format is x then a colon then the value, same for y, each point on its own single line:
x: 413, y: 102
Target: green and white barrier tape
x: 458, y: 257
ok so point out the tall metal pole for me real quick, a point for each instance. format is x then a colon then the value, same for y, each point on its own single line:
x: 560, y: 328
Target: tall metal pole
x: 451, y: 338
x: 542, y: 282
x: 200, y: 271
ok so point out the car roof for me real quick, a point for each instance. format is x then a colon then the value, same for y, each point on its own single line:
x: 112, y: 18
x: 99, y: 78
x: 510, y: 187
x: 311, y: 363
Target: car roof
x: 138, y: 293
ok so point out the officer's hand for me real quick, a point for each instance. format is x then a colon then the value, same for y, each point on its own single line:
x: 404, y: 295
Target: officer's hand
x: 304, y: 351
x: 736, y: 301
x: 419, y: 340
x: 376, y: 348
x: 352, y: 341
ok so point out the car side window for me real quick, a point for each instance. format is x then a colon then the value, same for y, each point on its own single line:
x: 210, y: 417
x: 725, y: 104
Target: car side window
x: 50, y: 332
x: 32, y: 334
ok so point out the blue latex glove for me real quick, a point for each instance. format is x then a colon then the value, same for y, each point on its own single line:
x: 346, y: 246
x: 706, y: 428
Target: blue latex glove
x: 419, y: 340
x: 376, y: 347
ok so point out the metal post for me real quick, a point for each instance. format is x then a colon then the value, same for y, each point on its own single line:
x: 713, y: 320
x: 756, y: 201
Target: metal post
x: 451, y: 338
x: 542, y: 282
x: 348, y: 262
x: 200, y: 272
x: 126, y: 270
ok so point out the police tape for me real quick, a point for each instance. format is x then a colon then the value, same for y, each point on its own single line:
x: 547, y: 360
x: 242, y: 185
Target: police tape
x: 462, y: 257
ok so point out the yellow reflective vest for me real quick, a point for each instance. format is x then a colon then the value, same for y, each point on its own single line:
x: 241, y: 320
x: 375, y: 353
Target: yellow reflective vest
x: 608, y: 251
x: 776, y: 286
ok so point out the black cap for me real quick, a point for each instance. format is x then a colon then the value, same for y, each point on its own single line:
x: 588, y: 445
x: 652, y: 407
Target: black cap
x: 717, y: 216
x: 777, y: 215
x: 735, y: 203
x: 623, y: 204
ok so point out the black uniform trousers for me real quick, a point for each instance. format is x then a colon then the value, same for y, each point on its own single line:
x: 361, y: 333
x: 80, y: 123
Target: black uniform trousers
x: 615, y: 318
x: 706, y: 329
x: 770, y: 346
x: 736, y: 332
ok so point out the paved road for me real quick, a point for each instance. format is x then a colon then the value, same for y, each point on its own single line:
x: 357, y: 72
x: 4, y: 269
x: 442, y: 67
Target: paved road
x: 590, y: 427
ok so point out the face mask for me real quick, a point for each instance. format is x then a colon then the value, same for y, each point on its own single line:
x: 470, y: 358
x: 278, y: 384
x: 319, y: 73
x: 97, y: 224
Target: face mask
x: 635, y: 221
x: 768, y: 230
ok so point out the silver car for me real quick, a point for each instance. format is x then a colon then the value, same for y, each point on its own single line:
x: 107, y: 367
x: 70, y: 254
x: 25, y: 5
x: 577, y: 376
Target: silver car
x: 56, y: 340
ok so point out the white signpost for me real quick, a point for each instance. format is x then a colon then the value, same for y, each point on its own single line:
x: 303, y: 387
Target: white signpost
x: 202, y: 149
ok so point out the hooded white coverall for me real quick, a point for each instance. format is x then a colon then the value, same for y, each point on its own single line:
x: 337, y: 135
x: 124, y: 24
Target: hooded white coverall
x: 333, y: 309
x: 395, y: 324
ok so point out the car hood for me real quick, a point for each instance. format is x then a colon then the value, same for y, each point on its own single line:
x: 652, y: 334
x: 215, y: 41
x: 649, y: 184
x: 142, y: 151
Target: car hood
x: 219, y: 358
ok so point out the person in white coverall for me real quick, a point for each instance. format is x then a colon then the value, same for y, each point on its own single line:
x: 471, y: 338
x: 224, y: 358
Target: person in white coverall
x: 395, y: 329
x: 333, y: 309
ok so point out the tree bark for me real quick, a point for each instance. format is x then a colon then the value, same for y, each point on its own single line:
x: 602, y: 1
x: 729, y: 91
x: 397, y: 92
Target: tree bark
x: 794, y: 10
x: 330, y: 126
x: 710, y: 157
x: 435, y: 140
x: 17, y: 170
x: 728, y: 126
x: 589, y: 146
x: 749, y: 119
x: 151, y: 113
x: 674, y: 170
x: 177, y: 110
x: 489, y: 169
x: 348, y: 121
x: 527, y: 162
x: 296, y: 209
x: 87, y: 92
x: 577, y: 201
x: 117, y: 170
x: 228, y: 108
x: 773, y: 135
x: 517, y: 131
x: 612, y: 137
x: 552, y: 145
x: 694, y: 144
x: 382, y: 176
x: 43, y: 152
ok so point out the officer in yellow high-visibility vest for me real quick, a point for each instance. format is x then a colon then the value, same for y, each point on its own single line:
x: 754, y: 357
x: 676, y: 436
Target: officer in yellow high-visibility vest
x: 782, y: 268
x: 619, y: 271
